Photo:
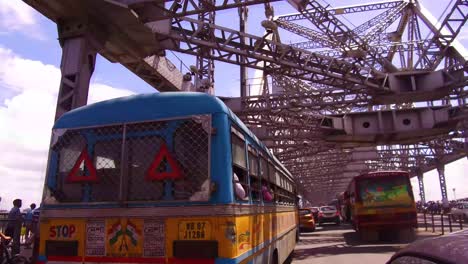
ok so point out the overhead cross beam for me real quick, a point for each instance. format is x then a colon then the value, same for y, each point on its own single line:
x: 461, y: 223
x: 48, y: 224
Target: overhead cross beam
x: 317, y: 37
x: 337, y: 31
x: 444, y: 36
x: 346, y: 10
x: 381, y: 21
x: 151, y: 10
x: 261, y: 53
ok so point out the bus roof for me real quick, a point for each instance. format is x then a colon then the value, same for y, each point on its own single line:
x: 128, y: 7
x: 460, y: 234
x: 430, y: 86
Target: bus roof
x: 381, y: 174
x: 153, y: 106
x: 142, y: 107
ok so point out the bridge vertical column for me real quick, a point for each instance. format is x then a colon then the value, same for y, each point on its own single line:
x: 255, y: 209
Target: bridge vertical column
x: 243, y: 15
x: 77, y: 66
x: 204, y: 78
x: 422, y: 193
x: 443, y: 186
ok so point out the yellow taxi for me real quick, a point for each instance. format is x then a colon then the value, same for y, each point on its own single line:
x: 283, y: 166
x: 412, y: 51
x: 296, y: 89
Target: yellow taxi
x: 306, y: 220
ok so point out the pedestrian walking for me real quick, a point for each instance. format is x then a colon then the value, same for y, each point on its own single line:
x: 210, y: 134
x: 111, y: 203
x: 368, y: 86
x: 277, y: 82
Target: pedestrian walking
x: 15, y: 221
x: 28, y: 221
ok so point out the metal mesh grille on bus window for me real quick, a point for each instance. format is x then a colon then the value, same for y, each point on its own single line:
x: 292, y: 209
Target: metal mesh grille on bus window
x: 69, y: 148
x: 162, y: 160
x: 103, y: 157
x: 191, y: 146
x: 107, y: 158
x: 175, y: 174
x: 141, y: 152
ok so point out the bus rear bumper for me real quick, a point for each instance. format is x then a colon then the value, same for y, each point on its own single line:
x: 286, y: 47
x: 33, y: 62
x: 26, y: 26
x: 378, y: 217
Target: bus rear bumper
x: 121, y: 260
x: 387, y: 225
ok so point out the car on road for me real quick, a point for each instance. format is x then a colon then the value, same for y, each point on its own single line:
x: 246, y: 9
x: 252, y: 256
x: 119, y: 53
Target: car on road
x: 328, y: 214
x: 315, y: 211
x: 448, y: 249
x: 306, y: 220
x: 460, y: 212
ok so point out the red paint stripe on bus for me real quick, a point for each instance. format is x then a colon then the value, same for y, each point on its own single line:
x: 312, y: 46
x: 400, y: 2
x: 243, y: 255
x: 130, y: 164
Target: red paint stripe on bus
x: 64, y: 258
x: 126, y: 260
x: 148, y: 260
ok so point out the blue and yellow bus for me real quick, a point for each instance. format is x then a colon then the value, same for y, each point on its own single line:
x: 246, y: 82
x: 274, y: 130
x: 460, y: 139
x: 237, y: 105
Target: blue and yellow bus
x: 164, y: 178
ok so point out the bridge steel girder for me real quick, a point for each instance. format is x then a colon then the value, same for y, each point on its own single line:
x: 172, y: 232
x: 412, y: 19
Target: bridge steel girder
x: 442, y: 182
x: 338, y: 32
x: 380, y: 22
x: 422, y: 193
x: 204, y: 77
x: 384, y: 39
x: 394, y: 126
x: 347, y: 10
x: 151, y: 11
x: 444, y: 36
x: 307, y: 33
x: 77, y: 67
x: 261, y: 53
x: 126, y: 40
x: 290, y: 120
x: 385, y: 48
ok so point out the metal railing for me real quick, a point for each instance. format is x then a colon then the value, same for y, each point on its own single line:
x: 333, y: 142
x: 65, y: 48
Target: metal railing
x: 441, y: 222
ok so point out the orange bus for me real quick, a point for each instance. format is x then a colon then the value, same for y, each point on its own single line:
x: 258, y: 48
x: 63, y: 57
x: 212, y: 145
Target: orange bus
x: 379, y: 201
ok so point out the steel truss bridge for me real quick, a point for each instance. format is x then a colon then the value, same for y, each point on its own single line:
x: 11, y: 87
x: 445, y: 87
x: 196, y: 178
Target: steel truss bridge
x: 389, y: 93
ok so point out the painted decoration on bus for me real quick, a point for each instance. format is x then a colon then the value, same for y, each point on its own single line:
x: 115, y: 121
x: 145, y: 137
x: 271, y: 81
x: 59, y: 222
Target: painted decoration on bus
x: 95, y: 238
x: 385, y: 192
x: 171, y: 170
x: 154, y: 238
x: 83, y: 170
x: 63, y: 231
x: 244, y: 240
x: 124, y: 237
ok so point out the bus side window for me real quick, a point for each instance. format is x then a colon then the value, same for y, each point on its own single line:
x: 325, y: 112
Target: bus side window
x: 267, y: 196
x: 240, y: 191
x: 271, y: 181
x: 255, y: 184
x: 266, y: 192
x: 277, y: 186
x: 239, y: 168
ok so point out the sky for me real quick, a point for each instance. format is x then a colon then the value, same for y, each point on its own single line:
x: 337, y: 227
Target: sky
x: 29, y: 80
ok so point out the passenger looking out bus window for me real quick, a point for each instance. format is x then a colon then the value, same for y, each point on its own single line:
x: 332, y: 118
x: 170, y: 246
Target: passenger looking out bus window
x: 203, y: 194
x: 238, y: 188
x: 267, y: 196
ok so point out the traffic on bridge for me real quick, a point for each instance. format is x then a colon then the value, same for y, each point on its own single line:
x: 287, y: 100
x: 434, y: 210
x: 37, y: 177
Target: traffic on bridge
x: 234, y: 131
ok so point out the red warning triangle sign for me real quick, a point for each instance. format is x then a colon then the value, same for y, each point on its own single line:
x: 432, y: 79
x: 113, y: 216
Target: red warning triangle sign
x: 153, y: 174
x: 74, y: 176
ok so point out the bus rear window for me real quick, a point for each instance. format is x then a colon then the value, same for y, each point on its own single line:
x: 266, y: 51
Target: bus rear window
x: 385, y: 191
x: 138, y: 162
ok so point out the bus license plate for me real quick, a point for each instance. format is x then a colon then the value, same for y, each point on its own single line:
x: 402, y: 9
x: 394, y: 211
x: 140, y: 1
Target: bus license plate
x: 194, y: 230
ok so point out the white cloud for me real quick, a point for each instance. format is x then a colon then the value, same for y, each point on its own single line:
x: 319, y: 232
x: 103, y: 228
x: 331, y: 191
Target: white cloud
x: 26, y: 118
x: 16, y: 16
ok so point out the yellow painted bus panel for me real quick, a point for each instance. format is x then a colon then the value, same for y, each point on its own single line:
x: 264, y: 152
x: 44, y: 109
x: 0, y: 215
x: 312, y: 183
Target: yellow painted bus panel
x: 124, y: 237
x: 62, y: 230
